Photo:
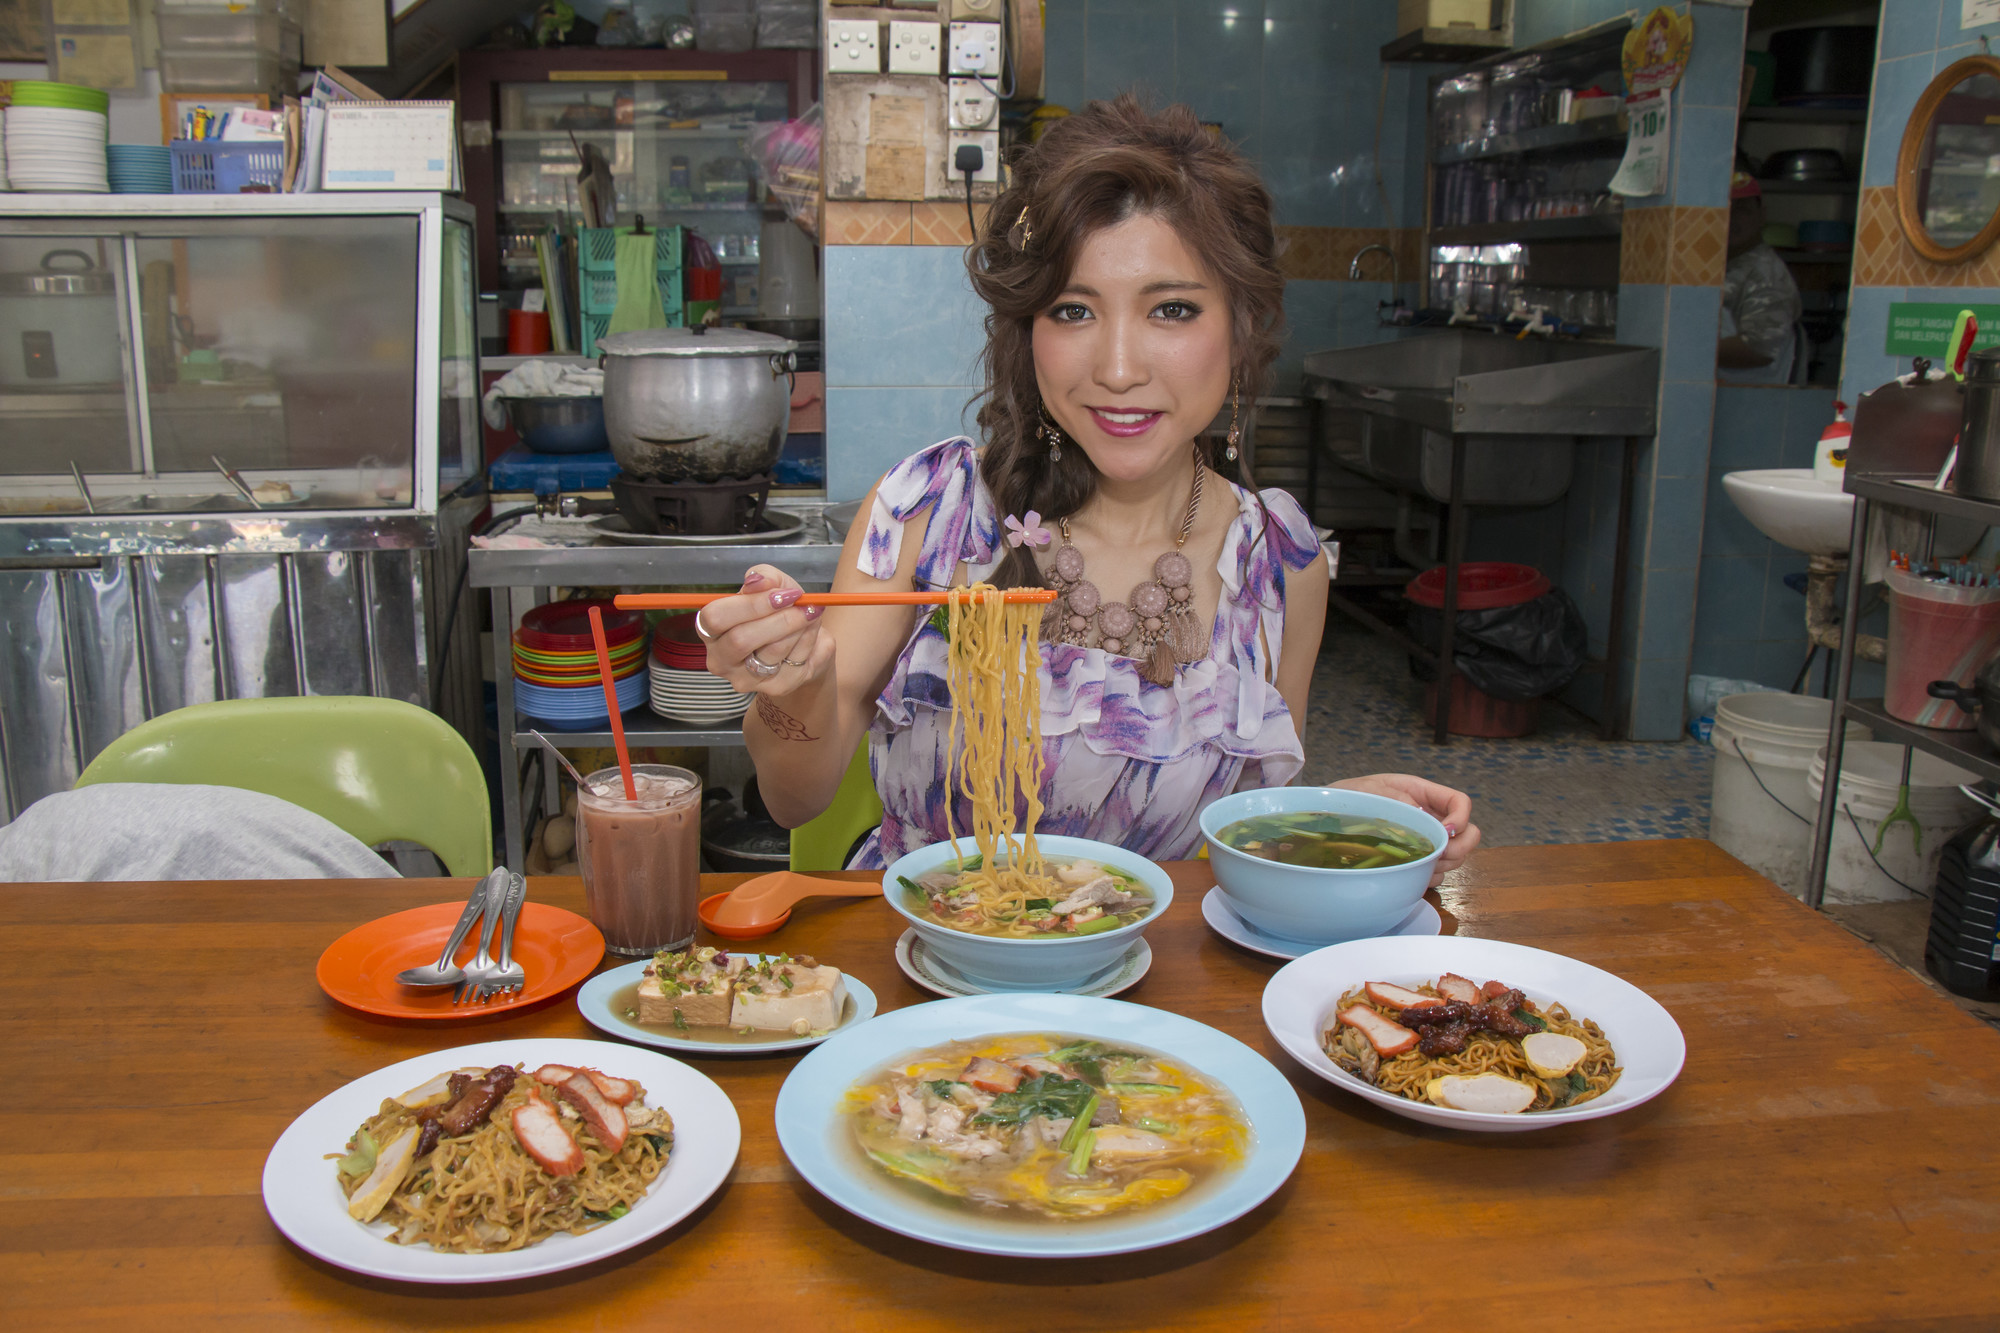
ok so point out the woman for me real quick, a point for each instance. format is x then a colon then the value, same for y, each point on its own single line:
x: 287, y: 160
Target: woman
x: 1135, y: 292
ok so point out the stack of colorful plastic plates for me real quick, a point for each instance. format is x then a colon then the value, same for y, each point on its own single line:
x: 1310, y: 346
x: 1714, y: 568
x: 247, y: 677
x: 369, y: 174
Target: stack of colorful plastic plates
x: 140, y: 168
x: 55, y: 135
x: 556, y: 674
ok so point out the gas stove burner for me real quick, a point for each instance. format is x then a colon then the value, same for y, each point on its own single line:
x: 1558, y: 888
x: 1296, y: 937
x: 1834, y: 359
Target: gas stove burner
x: 693, y: 508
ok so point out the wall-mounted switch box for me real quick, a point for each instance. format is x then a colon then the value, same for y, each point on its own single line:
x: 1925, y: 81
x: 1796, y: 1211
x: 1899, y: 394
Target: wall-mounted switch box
x: 975, y: 49
x: 972, y: 106
x: 989, y: 145
x: 975, y: 10
x: 853, y: 46
x: 915, y: 47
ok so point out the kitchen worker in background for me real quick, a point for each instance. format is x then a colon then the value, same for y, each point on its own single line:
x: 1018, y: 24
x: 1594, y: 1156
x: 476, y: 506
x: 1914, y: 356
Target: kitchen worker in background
x: 1760, y: 302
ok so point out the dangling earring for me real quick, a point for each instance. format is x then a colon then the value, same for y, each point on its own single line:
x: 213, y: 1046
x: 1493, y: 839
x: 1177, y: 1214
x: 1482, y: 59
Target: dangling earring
x: 1235, y: 406
x: 1052, y: 433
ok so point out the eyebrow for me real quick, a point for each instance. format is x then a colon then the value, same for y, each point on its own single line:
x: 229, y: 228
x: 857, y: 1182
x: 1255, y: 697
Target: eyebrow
x: 1151, y: 288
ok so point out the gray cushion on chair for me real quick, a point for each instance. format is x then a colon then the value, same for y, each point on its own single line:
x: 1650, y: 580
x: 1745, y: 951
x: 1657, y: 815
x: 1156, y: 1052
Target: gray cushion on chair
x: 144, y: 830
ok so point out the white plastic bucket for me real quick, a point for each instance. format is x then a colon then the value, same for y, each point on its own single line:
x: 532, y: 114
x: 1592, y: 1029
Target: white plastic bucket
x: 1870, y: 777
x: 1758, y: 809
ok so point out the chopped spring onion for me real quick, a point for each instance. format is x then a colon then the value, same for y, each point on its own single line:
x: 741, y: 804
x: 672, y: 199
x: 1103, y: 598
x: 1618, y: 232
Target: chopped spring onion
x: 1079, y: 1158
x: 1079, y: 1128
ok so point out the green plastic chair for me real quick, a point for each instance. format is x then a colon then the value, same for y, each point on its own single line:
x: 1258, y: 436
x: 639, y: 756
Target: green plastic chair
x: 824, y: 841
x: 383, y: 770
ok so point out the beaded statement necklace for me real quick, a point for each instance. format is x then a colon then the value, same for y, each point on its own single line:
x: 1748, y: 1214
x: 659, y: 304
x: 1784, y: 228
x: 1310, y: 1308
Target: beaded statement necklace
x: 1157, y: 625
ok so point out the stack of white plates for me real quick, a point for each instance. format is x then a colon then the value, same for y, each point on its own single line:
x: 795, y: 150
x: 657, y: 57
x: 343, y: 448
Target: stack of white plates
x: 694, y: 697
x: 56, y: 150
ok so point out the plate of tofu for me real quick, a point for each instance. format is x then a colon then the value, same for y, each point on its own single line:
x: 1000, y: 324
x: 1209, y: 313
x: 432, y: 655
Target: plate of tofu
x: 707, y: 1001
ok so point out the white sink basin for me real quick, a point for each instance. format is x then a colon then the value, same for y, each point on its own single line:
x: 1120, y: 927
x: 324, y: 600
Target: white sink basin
x: 1793, y: 508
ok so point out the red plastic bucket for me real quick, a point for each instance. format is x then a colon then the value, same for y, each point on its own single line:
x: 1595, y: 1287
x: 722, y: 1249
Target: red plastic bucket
x: 1937, y: 631
x: 1482, y: 585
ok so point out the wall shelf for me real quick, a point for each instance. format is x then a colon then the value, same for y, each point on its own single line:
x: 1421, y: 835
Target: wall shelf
x: 1542, y: 139
x: 1445, y: 46
x: 1963, y: 748
x: 1590, y: 226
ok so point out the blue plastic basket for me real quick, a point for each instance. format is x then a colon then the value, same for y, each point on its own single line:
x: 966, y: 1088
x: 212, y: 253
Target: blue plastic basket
x: 206, y: 166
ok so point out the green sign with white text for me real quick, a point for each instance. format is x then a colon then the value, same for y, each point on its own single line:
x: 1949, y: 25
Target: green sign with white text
x: 1922, y: 328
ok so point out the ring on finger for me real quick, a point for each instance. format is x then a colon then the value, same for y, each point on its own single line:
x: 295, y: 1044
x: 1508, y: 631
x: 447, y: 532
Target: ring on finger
x: 790, y: 662
x: 759, y: 667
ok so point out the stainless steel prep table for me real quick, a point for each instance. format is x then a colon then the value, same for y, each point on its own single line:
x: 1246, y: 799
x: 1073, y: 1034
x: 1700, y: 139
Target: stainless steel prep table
x: 520, y: 579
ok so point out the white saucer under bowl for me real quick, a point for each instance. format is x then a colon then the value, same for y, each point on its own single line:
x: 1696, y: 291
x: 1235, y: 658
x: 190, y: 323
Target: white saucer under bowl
x: 1222, y: 919
x: 934, y: 974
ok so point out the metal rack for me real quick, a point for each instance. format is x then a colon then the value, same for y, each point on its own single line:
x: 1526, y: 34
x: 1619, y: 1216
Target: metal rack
x: 1963, y: 748
x: 519, y: 580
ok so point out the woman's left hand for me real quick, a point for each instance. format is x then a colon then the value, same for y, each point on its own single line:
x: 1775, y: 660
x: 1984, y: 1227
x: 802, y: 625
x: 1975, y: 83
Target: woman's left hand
x: 1453, y: 809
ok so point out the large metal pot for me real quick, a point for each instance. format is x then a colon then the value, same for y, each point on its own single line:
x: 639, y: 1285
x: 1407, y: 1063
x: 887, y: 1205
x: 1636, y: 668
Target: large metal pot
x: 697, y: 405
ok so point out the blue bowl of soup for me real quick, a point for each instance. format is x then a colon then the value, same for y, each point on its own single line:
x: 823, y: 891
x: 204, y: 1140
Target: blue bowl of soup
x: 1055, y: 960
x: 1283, y: 893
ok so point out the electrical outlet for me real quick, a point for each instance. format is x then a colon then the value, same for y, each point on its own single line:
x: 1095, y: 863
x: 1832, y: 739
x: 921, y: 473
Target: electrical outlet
x: 972, y: 106
x: 853, y: 46
x: 914, y: 47
x: 975, y: 49
x: 989, y: 10
x: 989, y: 145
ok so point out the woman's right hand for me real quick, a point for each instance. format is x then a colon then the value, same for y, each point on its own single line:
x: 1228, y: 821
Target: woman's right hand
x: 760, y: 628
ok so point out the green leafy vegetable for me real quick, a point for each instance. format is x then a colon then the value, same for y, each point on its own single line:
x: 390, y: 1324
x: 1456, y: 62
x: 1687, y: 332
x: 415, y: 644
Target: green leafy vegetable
x: 1098, y: 925
x: 611, y: 1214
x: 1532, y: 1021
x: 1142, y: 1089
x: 1039, y: 904
x: 361, y: 1160
x: 972, y: 862
x: 1147, y: 1122
x: 1047, y: 1095
x: 1577, y: 1083
x: 1079, y: 1126
x: 1079, y: 1158
x: 942, y: 1087
x: 1093, y: 1072
x: 941, y: 622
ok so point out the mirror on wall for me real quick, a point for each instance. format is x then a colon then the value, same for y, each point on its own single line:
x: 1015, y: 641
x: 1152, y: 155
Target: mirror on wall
x: 1948, y: 172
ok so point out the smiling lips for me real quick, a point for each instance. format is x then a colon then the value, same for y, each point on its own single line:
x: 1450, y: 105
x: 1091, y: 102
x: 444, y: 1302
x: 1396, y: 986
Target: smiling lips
x: 1124, y: 424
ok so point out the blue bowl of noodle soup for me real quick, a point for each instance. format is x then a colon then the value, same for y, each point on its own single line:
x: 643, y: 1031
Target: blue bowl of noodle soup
x: 1044, y: 962
x: 1313, y: 904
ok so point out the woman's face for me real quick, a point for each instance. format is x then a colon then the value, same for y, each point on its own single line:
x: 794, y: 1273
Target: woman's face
x: 1133, y: 359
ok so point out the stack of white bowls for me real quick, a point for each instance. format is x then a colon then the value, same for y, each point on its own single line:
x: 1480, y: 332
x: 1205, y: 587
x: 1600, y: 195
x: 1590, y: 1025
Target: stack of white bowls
x: 55, y: 135
x: 682, y: 688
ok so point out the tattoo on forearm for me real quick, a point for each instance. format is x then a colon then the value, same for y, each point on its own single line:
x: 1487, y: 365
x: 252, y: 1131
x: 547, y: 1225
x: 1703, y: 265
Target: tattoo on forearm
x: 784, y: 724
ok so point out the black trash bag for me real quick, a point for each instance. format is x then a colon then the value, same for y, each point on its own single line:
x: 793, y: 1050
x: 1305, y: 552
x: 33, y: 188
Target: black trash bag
x: 1513, y: 653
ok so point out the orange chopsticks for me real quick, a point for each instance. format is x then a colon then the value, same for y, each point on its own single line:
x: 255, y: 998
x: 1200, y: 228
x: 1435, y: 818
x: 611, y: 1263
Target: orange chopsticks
x: 694, y: 601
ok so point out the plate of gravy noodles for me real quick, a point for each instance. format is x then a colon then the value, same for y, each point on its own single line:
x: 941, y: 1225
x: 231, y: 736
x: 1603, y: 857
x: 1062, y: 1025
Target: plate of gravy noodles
x: 1302, y: 1001
x: 817, y: 1133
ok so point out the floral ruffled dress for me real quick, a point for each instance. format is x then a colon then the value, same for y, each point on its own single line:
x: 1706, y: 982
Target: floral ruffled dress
x: 1127, y: 762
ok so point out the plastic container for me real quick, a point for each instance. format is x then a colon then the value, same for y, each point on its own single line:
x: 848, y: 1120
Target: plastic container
x: 1870, y: 779
x: 224, y: 29
x: 1937, y: 631
x: 212, y: 167
x: 225, y: 71
x: 1759, y: 809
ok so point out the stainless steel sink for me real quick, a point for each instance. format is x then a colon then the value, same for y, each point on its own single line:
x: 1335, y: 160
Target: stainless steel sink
x: 1393, y: 408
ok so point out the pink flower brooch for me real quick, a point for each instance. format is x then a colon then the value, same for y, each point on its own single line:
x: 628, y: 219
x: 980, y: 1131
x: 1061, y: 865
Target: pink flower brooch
x: 1029, y: 532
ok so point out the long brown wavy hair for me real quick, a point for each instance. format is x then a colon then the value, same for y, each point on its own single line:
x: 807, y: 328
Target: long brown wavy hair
x: 1109, y: 162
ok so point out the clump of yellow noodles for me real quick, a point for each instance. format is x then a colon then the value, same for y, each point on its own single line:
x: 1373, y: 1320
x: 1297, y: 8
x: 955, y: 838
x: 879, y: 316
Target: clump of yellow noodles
x: 993, y: 673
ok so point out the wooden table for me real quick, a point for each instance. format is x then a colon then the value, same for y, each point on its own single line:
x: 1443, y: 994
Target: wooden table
x: 1827, y: 1159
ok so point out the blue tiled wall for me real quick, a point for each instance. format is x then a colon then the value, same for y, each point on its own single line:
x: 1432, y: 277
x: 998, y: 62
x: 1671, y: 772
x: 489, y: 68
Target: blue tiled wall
x: 1748, y: 624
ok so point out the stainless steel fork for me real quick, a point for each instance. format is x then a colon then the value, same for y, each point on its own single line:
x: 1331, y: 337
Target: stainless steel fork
x: 480, y: 970
x: 507, y: 976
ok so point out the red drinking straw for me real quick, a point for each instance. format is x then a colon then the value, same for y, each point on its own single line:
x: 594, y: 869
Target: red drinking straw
x: 611, y: 701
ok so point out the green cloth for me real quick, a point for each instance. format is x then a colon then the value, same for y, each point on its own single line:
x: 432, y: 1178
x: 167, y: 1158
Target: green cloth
x: 637, y: 267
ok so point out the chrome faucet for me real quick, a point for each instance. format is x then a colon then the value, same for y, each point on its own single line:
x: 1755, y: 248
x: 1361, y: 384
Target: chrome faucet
x: 1354, y: 269
x: 1391, y: 311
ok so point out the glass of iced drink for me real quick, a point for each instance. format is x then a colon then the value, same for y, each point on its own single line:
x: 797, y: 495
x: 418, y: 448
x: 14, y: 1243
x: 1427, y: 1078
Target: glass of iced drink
x: 641, y: 860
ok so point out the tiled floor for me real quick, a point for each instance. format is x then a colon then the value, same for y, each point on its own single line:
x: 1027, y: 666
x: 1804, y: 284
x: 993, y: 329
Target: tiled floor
x: 1560, y: 784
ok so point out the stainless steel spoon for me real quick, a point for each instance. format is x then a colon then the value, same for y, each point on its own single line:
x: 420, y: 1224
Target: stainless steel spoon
x: 444, y: 972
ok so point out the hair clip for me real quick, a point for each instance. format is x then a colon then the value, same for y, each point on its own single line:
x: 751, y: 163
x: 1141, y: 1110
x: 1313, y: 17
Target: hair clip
x: 1021, y: 235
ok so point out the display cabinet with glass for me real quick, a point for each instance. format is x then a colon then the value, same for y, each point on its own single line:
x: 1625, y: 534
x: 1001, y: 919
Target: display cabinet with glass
x: 673, y: 127
x: 187, y: 356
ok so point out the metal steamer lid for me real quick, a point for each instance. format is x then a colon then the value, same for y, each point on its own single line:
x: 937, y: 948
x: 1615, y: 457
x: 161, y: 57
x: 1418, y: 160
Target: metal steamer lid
x: 694, y: 342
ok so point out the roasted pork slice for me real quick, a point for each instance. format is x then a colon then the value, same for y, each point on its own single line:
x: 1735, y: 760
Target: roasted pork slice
x: 786, y: 995
x: 687, y: 989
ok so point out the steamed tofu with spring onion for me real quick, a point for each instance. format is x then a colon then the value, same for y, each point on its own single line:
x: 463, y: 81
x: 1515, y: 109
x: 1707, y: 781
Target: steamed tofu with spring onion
x: 712, y: 988
x: 785, y: 994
